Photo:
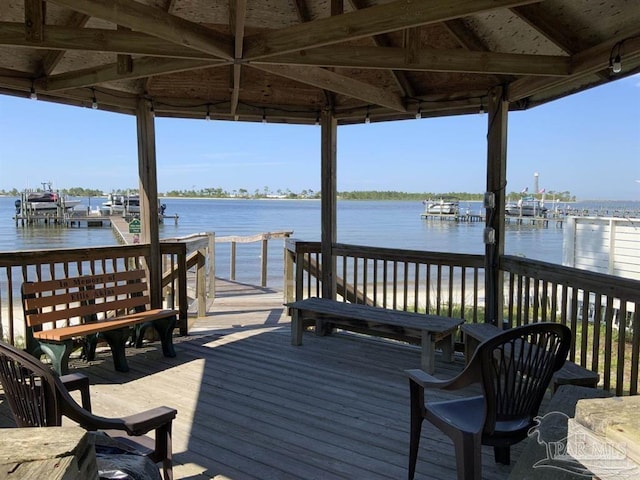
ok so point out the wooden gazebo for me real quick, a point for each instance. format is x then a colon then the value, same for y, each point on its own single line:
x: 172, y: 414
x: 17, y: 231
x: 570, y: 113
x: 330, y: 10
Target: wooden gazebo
x: 316, y: 61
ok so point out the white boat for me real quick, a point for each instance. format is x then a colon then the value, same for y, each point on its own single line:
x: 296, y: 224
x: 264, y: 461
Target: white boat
x: 45, y: 200
x: 526, y: 207
x: 127, y: 205
x: 121, y: 205
x: 442, y: 207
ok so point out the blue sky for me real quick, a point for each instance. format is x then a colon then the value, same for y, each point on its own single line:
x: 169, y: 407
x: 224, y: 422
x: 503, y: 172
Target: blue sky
x: 588, y: 144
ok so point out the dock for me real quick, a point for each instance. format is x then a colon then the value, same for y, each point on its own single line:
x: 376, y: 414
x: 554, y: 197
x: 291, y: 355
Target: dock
x: 544, y: 222
x: 453, y: 217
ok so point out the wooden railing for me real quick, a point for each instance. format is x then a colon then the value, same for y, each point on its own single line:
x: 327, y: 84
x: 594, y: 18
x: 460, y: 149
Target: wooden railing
x: 603, y: 311
x: 18, y: 267
x: 410, y: 280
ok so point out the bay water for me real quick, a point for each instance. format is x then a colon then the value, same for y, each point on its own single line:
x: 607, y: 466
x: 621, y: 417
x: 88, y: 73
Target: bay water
x: 393, y: 224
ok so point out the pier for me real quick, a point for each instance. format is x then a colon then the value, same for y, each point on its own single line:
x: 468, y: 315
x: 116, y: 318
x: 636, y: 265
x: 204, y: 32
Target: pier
x: 544, y: 222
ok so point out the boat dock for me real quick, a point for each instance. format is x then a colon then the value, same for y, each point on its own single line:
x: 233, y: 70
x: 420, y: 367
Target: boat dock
x: 509, y: 219
x: 453, y: 217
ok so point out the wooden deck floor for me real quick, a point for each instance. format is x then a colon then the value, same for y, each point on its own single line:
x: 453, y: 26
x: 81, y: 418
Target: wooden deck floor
x: 251, y: 406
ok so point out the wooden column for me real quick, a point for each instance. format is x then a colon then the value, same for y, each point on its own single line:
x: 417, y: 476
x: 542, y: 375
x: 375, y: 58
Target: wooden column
x: 496, y: 184
x: 328, y: 236
x: 149, y: 197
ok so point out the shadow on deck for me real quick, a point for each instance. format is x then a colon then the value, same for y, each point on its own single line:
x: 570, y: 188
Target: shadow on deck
x: 251, y: 406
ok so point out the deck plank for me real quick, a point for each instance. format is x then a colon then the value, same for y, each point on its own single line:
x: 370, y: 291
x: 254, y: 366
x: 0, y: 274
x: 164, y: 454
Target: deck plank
x: 251, y: 406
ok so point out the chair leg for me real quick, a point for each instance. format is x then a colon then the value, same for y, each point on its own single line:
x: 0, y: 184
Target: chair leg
x: 502, y: 455
x: 468, y: 455
x: 164, y: 450
x: 416, y: 426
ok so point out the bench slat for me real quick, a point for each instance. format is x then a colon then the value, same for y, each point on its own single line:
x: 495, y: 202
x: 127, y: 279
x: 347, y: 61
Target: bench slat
x: 81, y: 311
x: 83, y: 281
x: 74, y: 331
x: 84, y: 295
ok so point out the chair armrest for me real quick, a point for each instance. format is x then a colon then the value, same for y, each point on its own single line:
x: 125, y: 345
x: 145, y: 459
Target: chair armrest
x: 468, y: 376
x: 143, y: 422
x: 78, y: 381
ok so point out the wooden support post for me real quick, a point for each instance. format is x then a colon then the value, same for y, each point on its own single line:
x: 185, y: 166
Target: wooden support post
x: 232, y: 261
x: 263, y: 268
x: 149, y: 197
x: 496, y: 184
x: 201, y: 284
x: 289, y: 259
x: 212, y: 266
x: 328, y: 202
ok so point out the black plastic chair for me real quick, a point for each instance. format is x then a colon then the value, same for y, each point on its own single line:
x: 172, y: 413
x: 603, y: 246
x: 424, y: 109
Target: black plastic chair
x: 38, y: 397
x: 514, y: 369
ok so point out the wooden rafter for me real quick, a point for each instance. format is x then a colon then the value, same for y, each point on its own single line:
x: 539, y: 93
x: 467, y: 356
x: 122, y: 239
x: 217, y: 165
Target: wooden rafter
x: 375, y: 20
x: 427, y: 60
x: 588, y: 62
x: 51, y: 60
x: 237, y: 17
x: 322, y: 78
x: 155, y: 21
x: 97, y: 40
x: 383, y: 41
x: 34, y: 20
x: 142, y: 67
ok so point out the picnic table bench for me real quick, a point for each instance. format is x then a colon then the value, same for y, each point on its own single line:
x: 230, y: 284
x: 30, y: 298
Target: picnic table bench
x: 425, y: 330
x: 569, y: 374
x: 92, y: 307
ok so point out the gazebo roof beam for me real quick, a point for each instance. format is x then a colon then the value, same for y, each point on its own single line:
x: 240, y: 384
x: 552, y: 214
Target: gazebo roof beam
x: 322, y: 78
x: 370, y: 21
x: 237, y: 18
x: 143, y: 67
x: 98, y: 40
x: 588, y: 62
x: 427, y: 60
x: 155, y: 21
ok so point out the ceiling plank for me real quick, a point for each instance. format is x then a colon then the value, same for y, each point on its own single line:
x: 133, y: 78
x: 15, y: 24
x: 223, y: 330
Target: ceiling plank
x: 98, y: 40
x: 588, y: 62
x: 237, y: 19
x: 370, y: 21
x: 142, y: 67
x: 155, y: 21
x: 427, y: 60
x: 322, y: 78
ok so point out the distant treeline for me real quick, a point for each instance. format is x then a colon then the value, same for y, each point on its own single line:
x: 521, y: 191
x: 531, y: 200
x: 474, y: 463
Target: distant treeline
x: 266, y: 192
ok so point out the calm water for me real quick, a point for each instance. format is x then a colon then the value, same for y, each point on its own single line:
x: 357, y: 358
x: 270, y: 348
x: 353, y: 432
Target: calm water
x: 375, y: 223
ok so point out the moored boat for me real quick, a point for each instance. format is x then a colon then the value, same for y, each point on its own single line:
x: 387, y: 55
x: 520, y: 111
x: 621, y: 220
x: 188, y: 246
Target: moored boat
x: 526, y: 207
x: 45, y: 200
x: 442, y: 206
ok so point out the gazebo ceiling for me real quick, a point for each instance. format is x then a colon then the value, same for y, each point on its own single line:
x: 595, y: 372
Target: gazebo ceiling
x: 286, y: 60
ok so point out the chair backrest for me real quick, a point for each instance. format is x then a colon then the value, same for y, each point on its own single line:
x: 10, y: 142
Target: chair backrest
x: 30, y: 387
x: 517, y: 366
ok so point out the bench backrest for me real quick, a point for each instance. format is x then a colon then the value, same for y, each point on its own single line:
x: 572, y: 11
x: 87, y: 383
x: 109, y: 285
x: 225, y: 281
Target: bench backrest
x: 84, y: 297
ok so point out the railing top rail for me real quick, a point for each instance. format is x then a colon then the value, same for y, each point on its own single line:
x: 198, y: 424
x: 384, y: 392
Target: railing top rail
x: 253, y: 238
x: 60, y: 255
x: 415, y: 256
x: 591, y: 281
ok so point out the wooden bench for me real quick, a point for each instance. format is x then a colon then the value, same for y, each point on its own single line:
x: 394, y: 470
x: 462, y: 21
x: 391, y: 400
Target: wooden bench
x: 426, y: 330
x: 92, y: 307
x: 569, y: 374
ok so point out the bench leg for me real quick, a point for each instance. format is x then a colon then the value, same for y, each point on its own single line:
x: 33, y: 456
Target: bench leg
x: 447, y: 346
x: 427, y: 361
x: 296, y: 328
x: 117, y: 340
x: 59, y: 354
x: 164, y: 327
